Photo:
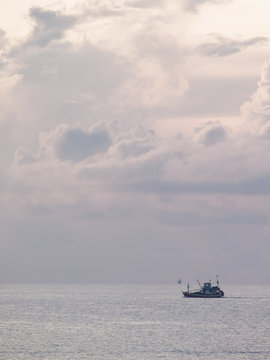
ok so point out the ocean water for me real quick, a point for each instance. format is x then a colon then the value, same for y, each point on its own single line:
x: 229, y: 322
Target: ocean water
x: 132, y: 322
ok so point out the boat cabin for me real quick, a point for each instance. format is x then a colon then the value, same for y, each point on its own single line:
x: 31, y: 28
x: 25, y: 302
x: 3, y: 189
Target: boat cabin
x: 207, y: 286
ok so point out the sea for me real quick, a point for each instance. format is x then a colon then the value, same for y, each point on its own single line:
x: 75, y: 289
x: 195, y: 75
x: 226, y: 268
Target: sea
x: 132, y: 322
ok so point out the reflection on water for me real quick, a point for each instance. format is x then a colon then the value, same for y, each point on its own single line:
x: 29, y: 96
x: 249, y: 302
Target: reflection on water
x: 127, y: 322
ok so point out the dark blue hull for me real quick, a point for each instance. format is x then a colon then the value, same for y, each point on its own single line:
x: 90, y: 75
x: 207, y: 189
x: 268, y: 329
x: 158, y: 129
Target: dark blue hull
x: 202, y: 295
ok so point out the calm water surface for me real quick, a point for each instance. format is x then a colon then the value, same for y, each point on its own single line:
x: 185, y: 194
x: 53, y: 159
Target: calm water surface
x: 109, y: 322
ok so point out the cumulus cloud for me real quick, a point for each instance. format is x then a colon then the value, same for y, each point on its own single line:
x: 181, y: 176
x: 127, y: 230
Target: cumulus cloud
x: 90, y: 155
x: 156, y: 77
x: 131, y: 147
x: 68, y: 142
x: 49, y: 25
x: 105, y: 83
x: 211, y: 133
x: 221, y: 46
x: 256, y: 112
x: 24, y: 156
x: 77, y: 144
x: 67, y: 81
x: 150, y: 43
x: 146, y: 165
x: 152, y: 86
x: 71, y: 84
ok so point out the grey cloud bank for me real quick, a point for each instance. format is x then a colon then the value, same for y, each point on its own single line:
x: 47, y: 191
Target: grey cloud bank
x: 76, y: 144
x: 193, y: 5
x: 49, y: 25
x: 98, y: 186
x: 220, y: 46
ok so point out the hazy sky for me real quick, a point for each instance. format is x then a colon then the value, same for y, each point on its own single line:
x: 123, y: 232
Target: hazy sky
x: 135, y: 140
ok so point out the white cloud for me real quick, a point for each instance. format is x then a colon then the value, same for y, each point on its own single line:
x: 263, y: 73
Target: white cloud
x: 256, y: 112
x: 152, y: 86
x: 136, y: 146
x: 24, y: 156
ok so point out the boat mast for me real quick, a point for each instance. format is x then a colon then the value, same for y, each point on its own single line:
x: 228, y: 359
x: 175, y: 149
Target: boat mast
x: 217, y: 281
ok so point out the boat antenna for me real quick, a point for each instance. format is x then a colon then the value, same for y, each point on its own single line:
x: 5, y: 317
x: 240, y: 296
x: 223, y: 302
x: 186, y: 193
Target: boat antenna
x: 217, y: 280
x: 188, y: 288
x: 199, y: 283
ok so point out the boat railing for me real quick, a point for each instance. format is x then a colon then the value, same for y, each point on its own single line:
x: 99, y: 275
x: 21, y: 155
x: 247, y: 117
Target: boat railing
x: 194, y: 290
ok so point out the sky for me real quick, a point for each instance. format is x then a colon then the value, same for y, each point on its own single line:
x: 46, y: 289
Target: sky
x: 135, y: 141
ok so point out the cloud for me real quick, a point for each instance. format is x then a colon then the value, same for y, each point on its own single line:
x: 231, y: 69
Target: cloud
x: 212, y: 96
x: 24, y: 156
x: 211, y: 133
x: 153, y: 86
x: 221, y: 46
x: 77, y: 158
x: 150, y: 43
x: 93, y: 108
x: 136, y: 146
x: 256, y: 112
x: 68, y: 83
x: 145, y: 4
x: 156, y: 78
x: 49, y: 25
x: 2, y: 37
x: 193, y: 5
x: 103, y: 9
x: 68, y: 143
x: 210, y: 216
x: 77, y: 144
x: 252, y: 187
x: 68, y: 80
x: 79, y: 85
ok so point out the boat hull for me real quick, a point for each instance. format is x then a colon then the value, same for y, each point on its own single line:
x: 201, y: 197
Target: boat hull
x: 201, y: 295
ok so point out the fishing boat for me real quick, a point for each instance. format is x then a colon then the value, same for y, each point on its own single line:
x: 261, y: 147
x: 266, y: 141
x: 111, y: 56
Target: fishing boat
x: 205, y: 291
